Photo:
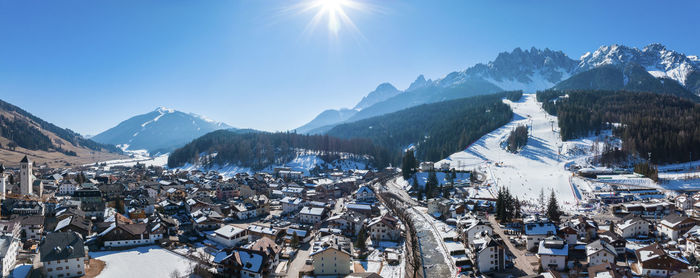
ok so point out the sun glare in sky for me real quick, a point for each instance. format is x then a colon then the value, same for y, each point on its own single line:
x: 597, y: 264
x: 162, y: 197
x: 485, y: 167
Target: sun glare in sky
x: 333, y: 14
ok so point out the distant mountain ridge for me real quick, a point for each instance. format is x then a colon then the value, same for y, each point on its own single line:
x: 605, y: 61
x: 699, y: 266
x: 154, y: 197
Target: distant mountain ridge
x: 655, y: 58
x: 616, y: 66
x: 159, y: 131
x: 22, y: 133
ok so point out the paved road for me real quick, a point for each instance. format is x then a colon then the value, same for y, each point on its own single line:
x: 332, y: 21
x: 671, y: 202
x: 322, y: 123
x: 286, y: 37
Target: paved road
x: 338, y: 206
x: 435, y: 259
x: 299, y: 261
x: 523, y: 263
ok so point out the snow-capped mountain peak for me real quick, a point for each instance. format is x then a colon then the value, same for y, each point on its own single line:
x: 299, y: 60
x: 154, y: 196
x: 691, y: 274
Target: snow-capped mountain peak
x: 530, y: 70
x: 655, y: 58
x: 164, y: 110
x: 159, y: 131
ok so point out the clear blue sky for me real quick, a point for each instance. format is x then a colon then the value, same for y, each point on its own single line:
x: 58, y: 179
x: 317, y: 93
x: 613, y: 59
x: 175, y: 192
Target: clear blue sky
x: 87, y: 65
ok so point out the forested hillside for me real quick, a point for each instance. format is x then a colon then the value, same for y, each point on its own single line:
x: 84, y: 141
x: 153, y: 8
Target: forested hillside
x: 437, y: 129
x: 666, y: 126
x: 630, y: 78
x: 261, y: 149
x: 24, y: 130
x: 431, y: 94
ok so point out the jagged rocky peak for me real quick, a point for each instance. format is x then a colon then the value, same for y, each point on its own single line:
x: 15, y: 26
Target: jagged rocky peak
x: 420, y: 82
x: 383, y: 92
x: 655, y: 58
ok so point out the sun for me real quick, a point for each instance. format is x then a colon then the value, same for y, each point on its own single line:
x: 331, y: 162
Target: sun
x: 334, y: 13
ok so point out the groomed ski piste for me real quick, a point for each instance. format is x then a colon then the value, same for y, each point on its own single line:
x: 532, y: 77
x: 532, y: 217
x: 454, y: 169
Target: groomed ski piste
x: 541, y: 164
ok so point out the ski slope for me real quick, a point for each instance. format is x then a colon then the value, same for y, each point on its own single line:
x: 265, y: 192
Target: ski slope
x: 537, y: 166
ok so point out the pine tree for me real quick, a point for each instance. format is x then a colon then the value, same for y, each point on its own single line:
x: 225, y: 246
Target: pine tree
x: 500, y: 204
x: 295, y: 240
x: 508, y: 205
x: 541, y: 200
x: 408, y: 164
x: 553, y: 212
x: 516, y: 207
x: 361, y: 239
x: 431, y: 185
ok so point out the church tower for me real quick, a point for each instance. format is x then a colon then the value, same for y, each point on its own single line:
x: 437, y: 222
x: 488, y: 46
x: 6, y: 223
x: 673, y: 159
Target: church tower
x: 3, y: 186
x: 26, y: 177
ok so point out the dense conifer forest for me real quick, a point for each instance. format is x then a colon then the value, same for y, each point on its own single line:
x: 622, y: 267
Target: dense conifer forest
x: 666, y: 126
x: 517, y: 138
x: 258, y: 150
x: 437, y: 129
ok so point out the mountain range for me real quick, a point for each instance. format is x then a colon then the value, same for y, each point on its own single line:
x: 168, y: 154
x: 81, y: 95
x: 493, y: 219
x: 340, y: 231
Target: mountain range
x: 159, y: 131
x: 616, y: 67
x: 22, y: 133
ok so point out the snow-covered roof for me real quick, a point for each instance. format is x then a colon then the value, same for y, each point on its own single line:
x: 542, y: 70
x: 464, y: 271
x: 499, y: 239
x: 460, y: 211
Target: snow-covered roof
x: 358, y: 206
x: 63, y: 223
x: 312, y: 211
x: 228, y: 231
x: 552, y: 251
x: 540, y: 229
x: 250, y: 261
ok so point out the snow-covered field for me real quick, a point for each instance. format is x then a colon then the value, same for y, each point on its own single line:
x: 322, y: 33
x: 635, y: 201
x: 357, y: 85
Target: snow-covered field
x: 138, y: 156
x: 537, y: 166
x: 145, y: 261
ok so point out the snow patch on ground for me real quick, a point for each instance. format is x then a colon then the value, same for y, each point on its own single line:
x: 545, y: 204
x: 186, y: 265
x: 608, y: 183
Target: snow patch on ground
x: 144, y: 261
x: 303, y: 162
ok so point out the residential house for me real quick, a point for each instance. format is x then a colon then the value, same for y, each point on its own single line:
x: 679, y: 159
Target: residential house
x: 608, y: 270
x: 332, y: 255
x: 586, y: 228
x: 568, y: 234
x: 471, y: 227
x: 32, y: 227
x: 63, y: 255
x: 385, y: 228
x: 654, y: 261
x: 229, y: 236
x: 91, y: 201
x: 619, y: 243
x: 684, y: 202
x: 674, y: 225
x: 599, y: 252
x: 365, y: 194
x: 311, y: 215
x: 74, y: 223
x: 244, y: 263
x: 632, y: 226
x: 553, y: 252
x: 291, y: 204
x: 270, y: 249
x: 536, y: 232
x: 9, y: 248
x: 207, y: 219
x: 121, y: 234
x: 487, y: 253
x: 347, y: 222
x: 257, y: 231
